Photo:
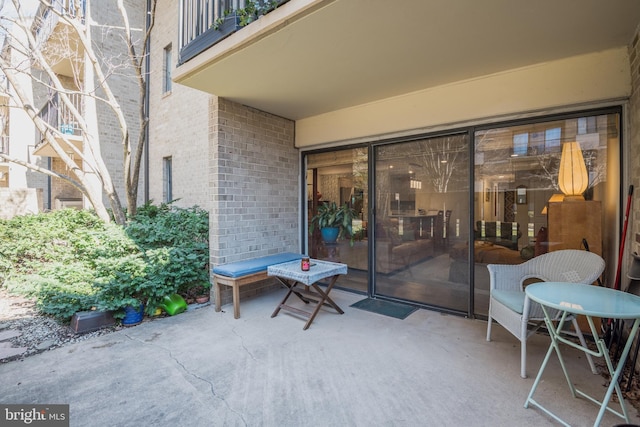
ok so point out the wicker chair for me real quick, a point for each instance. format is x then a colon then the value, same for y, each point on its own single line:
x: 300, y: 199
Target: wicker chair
x: 509, y: 305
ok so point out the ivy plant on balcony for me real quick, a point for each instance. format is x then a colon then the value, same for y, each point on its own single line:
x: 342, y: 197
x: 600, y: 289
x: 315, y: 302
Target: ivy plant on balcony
x: 244, y: 16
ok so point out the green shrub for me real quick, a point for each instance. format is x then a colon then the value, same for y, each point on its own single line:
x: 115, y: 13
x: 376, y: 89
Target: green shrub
x: 121, y: 282
x: 70, y: 260
x: 185, y: 231
x: 54, y: 297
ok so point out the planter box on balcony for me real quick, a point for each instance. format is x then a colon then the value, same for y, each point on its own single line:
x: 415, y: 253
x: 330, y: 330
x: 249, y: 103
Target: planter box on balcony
x: 210, y: 37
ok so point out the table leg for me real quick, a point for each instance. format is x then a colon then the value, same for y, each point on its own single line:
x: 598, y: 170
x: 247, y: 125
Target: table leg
x: 291, y: 286
x: 324, y: 297
x: 554, y: 333
x: 615, y: 375
x: 553, y: 346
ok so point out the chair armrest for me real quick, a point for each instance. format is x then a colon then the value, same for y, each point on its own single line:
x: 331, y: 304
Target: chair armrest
x: 506, y: 276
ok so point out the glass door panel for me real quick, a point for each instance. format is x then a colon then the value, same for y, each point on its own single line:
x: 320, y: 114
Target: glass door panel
x: 421, y: 221
x: 520, y: 208
x: 341, y: 176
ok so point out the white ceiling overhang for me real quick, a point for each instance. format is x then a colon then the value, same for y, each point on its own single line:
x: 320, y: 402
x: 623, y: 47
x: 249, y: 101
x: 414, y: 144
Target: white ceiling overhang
x: 311, y: 57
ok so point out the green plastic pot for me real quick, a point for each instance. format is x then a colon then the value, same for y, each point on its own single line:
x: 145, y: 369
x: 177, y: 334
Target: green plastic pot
x: 173, y: 304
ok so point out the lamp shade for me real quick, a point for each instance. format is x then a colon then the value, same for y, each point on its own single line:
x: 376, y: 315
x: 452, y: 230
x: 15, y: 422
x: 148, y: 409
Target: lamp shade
x: 573, y: 178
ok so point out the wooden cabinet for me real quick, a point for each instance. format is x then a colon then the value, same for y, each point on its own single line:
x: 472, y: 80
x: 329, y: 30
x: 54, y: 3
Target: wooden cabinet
x: 570, y: 222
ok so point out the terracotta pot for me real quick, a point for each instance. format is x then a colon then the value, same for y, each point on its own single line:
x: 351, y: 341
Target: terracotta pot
x: 201, y: 299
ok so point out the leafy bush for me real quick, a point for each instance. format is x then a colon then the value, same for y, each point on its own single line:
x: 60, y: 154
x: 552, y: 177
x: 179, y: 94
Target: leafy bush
x: 71, y: 261
x: 185, y: 231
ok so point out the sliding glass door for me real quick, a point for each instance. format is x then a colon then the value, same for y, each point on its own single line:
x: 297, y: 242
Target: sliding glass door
x: 525, y: 202
x: 426, y: 228
x: 341, y: 177
x: 421, y: 221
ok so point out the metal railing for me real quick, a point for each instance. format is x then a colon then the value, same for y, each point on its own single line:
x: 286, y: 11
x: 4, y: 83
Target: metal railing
x: 4, y: 145
x: 204, y: 17
x: 197, y: 16
x: 58, y: 116
x: 48, y: 19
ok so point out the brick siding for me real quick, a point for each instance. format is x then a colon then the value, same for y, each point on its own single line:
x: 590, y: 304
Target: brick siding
x: 255, y: 172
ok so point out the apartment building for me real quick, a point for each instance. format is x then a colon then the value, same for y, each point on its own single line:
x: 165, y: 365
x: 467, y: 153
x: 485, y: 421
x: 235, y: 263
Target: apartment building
x: 28, y: 191
x: 445, y: 127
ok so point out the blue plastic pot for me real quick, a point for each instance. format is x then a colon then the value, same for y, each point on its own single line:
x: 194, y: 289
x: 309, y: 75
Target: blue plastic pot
x: 133, y: 315
x: 330, y: 234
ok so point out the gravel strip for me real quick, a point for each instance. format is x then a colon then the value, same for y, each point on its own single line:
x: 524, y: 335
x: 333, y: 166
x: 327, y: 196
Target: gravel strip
x: 38, y: 333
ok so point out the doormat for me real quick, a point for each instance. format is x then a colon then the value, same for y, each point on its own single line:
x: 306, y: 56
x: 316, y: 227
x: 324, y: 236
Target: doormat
x: 386, y: 308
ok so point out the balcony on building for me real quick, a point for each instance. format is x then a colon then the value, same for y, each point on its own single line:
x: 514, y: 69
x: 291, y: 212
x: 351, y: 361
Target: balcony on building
x: 204, y: 23
x: 63, y: 51
x: 4, y: 131
x: 4, y: 165
x: 67, y: 132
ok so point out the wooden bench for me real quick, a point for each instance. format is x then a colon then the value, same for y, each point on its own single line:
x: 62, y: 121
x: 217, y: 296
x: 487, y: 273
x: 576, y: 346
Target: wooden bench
x: 240, y: 273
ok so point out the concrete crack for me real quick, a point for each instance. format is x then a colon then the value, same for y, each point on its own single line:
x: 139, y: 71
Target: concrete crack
x: 244, y: 347
x: 192, y: 374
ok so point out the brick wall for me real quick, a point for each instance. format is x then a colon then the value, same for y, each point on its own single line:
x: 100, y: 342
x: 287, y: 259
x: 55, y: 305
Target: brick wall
x: 179, y: 123
x: 255, y: 183
x: 110, y: 46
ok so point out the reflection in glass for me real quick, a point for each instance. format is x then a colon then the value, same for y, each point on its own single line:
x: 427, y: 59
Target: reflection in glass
x: 528, y: 157
x: 341, y: 176
x: 421, y: 218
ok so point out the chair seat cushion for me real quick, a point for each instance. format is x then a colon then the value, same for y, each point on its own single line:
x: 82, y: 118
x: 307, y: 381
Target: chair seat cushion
x: 254, y: 265
x: 512, y: 299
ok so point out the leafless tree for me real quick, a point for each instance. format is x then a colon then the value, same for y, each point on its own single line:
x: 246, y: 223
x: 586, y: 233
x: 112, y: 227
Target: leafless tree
x: 440, y: 159
x: 90, y: 72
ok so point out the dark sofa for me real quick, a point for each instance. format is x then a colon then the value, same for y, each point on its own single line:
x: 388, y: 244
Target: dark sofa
x: 505, y: 238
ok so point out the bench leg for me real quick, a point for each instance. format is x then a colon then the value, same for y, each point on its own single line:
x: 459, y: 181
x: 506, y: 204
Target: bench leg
x: 236, y: 301
x: 217, y: 294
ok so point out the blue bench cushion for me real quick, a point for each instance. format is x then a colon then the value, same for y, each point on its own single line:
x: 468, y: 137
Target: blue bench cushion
x: 254, y: 265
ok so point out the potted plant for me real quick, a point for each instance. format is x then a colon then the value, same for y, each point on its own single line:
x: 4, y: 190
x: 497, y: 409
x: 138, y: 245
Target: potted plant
x: 334, y: 222
x: 135, y: 284
x: 198, y: 292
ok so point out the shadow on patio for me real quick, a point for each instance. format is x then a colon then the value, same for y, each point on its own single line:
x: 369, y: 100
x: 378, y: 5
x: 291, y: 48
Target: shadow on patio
x: 357, y: 369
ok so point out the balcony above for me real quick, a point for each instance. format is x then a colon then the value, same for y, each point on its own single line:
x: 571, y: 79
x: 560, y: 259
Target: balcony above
x: 309, y: 57
x: 66, y: 141
x: 59, y: 117
x: 4, y: 149
x: 60, y: 44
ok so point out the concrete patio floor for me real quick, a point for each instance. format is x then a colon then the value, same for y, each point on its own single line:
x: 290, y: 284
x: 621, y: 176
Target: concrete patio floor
x: 203, y: 368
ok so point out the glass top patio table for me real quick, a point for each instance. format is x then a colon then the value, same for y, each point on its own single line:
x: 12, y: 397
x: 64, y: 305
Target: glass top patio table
x: 583, y: 299
x: 590, y: 301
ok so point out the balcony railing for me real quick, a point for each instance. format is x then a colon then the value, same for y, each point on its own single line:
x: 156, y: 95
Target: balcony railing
x: 4, y: 145
x: 204, y: 23
x: 58, y: 116
x: 49, y: 20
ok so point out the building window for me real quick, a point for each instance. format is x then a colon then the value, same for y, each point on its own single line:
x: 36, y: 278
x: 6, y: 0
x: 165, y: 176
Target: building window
x: 552, y: 139
x: 166, y: 74
x: 520, y: 144
x: 167, y: 180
